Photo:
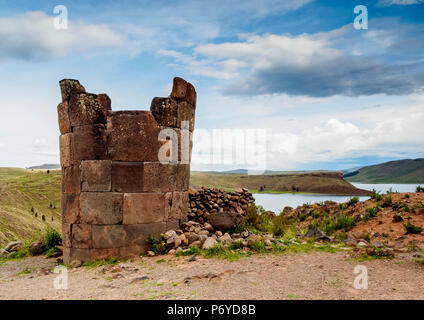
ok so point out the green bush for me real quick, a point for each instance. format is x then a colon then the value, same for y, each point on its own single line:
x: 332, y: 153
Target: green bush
x: 387, y: 201
x: 345, y: 222
x: 192, y: 251
x: 419, y: 189
x: 258, y: 246
x: 370, y: 213
x: 157, y: 246
x: 52, y: 238
x: 411, y: 229
x: 375, y: 195
x: 352, y: 201
x: 277, y: 225
x: 238, y: 244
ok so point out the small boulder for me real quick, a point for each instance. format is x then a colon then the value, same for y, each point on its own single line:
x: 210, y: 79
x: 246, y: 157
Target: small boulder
x: 316, y: 233
x: 14, y: 246
x: 208, y: 226
x: 362, y: 244
x: 196, y: 244
x: 170, y: 234
x: 37, y: 247
x: 76, y: 263
x: 150, y: 254
x: 378, y: 244
x: 177, y: 241
x: 224, y: 220
x: 202, y: 238
x: 209, y: 243
x: 226, y: 239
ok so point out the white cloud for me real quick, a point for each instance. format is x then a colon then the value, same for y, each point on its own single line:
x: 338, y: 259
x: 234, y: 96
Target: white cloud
x: 40, y: 142
x: 399, y: 2
x: 310, y: 64
x: 304, y: 133
x: 32, y: 36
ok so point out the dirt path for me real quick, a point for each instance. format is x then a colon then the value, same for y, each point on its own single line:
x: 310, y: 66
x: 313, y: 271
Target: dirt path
x: 298, y: 276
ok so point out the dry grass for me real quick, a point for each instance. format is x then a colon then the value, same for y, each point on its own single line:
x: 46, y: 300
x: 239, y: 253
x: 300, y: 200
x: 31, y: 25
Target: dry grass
x: 25, y: 197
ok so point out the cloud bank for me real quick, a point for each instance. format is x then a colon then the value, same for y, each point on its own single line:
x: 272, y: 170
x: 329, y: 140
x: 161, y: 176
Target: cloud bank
x: 32, y: 36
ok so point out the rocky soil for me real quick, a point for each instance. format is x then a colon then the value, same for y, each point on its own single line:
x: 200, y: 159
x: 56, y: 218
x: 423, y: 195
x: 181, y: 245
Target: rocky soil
x: 290, y: 276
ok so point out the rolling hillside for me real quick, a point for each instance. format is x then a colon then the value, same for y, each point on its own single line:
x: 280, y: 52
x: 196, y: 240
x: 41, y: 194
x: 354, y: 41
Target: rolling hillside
x: 313, y: 182
x: 25, y: 197
x: 401, y: 171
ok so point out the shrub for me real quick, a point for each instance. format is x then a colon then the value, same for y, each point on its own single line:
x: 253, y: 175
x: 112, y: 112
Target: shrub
x: 352, y: 201
x: 157, y: 246
x: 236, y: 245
x: 258, y: 246
x: 419, y: 189
x: 375, y: 195
x: 411, y: 229
x: 52, y: 238
x: 342, y: 206
x: 192, y: 251
x: 370, y: 213
x: 345, y: 222
x: 387, y: 201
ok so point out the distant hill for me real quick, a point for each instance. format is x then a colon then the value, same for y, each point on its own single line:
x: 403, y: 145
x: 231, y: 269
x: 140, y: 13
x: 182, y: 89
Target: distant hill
x: 400, y: 171
x: 47, y: 166
x: 312, y: 182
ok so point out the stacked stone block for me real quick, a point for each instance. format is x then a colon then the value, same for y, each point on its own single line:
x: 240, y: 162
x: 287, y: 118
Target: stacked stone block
x: 115, y: 191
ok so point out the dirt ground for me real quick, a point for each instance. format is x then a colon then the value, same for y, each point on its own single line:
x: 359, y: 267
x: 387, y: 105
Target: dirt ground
x: 317, y: 275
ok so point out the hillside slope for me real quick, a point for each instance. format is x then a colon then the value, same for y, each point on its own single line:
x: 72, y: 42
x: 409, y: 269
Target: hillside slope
x: 315, y: 182
x: 25, y: 197
x: 401, y: 171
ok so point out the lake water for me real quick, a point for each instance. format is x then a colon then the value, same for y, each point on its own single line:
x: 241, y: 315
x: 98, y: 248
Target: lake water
x: 276, y: 202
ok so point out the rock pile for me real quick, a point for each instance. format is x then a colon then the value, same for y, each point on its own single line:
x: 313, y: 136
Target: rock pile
x: 203, y: 236
x: 208, y: 201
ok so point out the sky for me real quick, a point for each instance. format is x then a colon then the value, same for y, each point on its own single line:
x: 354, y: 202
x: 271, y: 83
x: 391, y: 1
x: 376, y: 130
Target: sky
x: 326, y: 94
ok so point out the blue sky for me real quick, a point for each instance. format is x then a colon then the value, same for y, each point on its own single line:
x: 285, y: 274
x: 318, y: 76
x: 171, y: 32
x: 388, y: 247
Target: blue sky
x: 328, y: 95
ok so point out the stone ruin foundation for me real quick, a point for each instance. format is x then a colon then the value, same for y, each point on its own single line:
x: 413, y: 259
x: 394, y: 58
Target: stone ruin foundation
x: 115, y: 191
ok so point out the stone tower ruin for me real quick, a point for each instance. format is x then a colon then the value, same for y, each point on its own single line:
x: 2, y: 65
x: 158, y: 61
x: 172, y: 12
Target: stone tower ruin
x: 116, y: 188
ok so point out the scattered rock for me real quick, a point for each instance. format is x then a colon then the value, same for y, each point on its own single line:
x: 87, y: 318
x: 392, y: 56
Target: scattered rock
x: 209, y: 243
x: 362, y: 244
x: 150, y: 254
x: 226, y: 239
x: 14, y: 246
x: 378, y: 244
x: 192, y: 259
x: 316, y: 233
x: 76, y: 263
x: 37, y: 247
x: 196, y: 244
x: 170, y: 234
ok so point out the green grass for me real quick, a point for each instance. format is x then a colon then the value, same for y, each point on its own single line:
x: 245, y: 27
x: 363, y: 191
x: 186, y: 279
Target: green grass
x: 98, y: 263
x: 230, y: 254
x: 26, y: 196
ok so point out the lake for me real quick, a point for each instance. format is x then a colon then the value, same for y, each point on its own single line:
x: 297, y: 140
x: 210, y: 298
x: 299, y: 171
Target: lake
x: 276, y: 202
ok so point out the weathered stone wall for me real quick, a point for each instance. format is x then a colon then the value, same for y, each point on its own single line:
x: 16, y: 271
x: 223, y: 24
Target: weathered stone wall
x: 115, y: 191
